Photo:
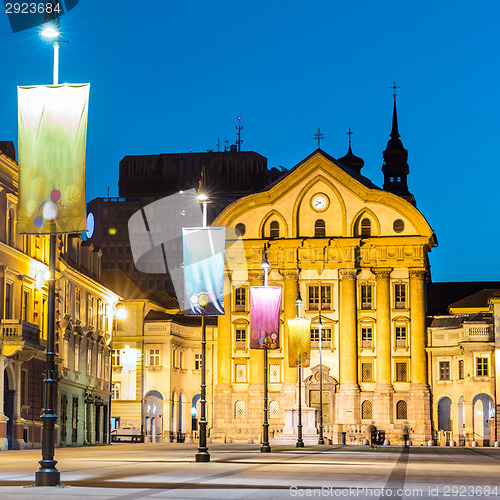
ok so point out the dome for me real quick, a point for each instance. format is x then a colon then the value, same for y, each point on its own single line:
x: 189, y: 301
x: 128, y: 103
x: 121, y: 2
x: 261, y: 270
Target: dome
x: 352, y: 161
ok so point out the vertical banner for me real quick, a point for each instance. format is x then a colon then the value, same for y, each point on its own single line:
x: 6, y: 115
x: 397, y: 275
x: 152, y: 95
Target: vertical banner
x: 203, y: 256
x: 52, y: 141
x: 299, y: 342
x: 265, y: 306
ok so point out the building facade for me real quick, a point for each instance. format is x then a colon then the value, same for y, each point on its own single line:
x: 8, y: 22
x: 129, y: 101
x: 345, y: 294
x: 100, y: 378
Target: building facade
x: 156, y: 362
x: 84, y: 308
x: 355, y: 254
x: 462, y: 370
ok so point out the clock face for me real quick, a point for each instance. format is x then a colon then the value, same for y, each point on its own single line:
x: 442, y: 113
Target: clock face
x: 90, y: 225
x: 319, y: 202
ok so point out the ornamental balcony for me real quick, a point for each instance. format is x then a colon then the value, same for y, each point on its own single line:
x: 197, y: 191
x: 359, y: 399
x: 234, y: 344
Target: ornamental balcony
x: 478, y: 332
x: 18, y: 335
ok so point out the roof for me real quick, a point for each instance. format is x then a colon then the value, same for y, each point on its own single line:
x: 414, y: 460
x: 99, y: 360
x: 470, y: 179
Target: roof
x: 360, y: 178
x: 441, y: 294
x: 478, y: 300
x: 121, y: 284
x: 8, y: 148
x: 180, y: 319
x: 446, y: 321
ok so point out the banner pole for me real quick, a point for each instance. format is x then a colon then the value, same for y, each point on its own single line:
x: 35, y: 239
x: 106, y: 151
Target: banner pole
x: 48, y: 474
x: 266, y: 447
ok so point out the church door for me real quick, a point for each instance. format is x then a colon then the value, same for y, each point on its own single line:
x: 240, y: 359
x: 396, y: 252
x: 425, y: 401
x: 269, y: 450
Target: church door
x: 314, y: 402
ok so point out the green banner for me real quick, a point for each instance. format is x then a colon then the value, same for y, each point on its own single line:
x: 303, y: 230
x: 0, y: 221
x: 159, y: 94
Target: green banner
x: 52, y: 142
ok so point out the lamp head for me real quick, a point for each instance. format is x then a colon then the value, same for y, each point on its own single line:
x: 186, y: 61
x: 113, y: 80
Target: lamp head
x: 299, y: 299
x: 320, y: 324
x: 50, y: 29
x: 120, y: 311
x: 201, y: 196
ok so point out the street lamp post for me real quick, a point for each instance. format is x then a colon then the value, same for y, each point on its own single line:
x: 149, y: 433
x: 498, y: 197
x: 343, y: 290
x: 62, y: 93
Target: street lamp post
x: 202, y: 454
x: 321, y: 439
x: 300, y: 441
x: 48, y: 474
x: 266, y: 447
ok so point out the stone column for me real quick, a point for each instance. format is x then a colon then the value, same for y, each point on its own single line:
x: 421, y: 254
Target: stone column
x: 420, y: 407
x: 3, y: 418
x: 17, y: 429
x: 348, y: 410
x: 383, y: 397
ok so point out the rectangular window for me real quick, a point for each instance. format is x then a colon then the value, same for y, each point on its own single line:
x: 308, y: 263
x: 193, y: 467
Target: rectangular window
x: 100, y: 318
x: 366, y: 297
x: 115, y: 357
x: 67, y: 298
x: 274, y: 373
x: 115, y: 390
x: 400, y: 336
x: 402, y: 372
x: 240, y: 373
x: 154, y: 357
x: 326, y: 298
x: 65, y: 359
x: 326, y: 338
x: 367, y: 372
x: 482, y: 367
x: 197, y: 361
x: 89, y: 362
x: 25, y: 306
x: 77, y: 303
x: 240, y: 338
x: 313, y: 298
x: 90, y: 310
x: 444, y: 370
x: 77, y: 356
x: 367, y: 336
x: 99, y: 364
x: 43, y: 319
x: 460, y: 369
x: 240, y: 299
x: 9, y: 288
x: 400, y: 296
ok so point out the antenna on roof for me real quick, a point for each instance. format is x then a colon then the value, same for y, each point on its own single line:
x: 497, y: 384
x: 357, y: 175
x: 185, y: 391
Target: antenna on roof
x: 239, y: 128
x: 226, y: 145
x: 218, y: 144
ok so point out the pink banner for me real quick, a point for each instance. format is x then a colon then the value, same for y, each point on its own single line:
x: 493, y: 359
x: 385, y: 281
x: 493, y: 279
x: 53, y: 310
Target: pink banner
x: 265, y: 308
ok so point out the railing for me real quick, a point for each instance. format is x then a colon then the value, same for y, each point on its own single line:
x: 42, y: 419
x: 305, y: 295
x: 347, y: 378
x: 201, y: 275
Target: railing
x: 478, y: 331
x: 15, y: 330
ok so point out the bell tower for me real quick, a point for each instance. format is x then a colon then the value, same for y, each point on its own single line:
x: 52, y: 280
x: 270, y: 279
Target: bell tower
x: 395, y: 167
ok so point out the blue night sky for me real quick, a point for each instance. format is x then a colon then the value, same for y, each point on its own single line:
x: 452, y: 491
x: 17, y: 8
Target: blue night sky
x: 169, y: 76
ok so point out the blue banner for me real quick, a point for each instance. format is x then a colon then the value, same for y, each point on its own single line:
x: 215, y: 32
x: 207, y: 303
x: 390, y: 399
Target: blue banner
x: 203, y: 256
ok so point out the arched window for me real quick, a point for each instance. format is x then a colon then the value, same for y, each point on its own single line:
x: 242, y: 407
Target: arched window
x: 11, y: 235
x: 366, y: 410
x: 319, y: 229
x: 401, y: 410
x: 274, y: 229
x: 274, y: 409
x: 239, y: 409
x: 366, y: 226
x: 240, y: 228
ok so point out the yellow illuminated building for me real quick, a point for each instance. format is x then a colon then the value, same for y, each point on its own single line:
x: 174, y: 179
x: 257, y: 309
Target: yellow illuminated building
x: 358, y: 255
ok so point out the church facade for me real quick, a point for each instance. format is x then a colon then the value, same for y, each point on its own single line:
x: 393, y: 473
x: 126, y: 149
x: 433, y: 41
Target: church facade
x: 357, y: 256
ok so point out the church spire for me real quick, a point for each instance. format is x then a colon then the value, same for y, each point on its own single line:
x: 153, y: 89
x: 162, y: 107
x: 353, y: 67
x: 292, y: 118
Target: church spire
x: 395, y: 131
x: 395, y: 167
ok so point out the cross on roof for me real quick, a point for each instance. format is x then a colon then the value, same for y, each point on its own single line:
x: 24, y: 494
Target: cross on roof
x: 318, y: 136
x: 394, y: 87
